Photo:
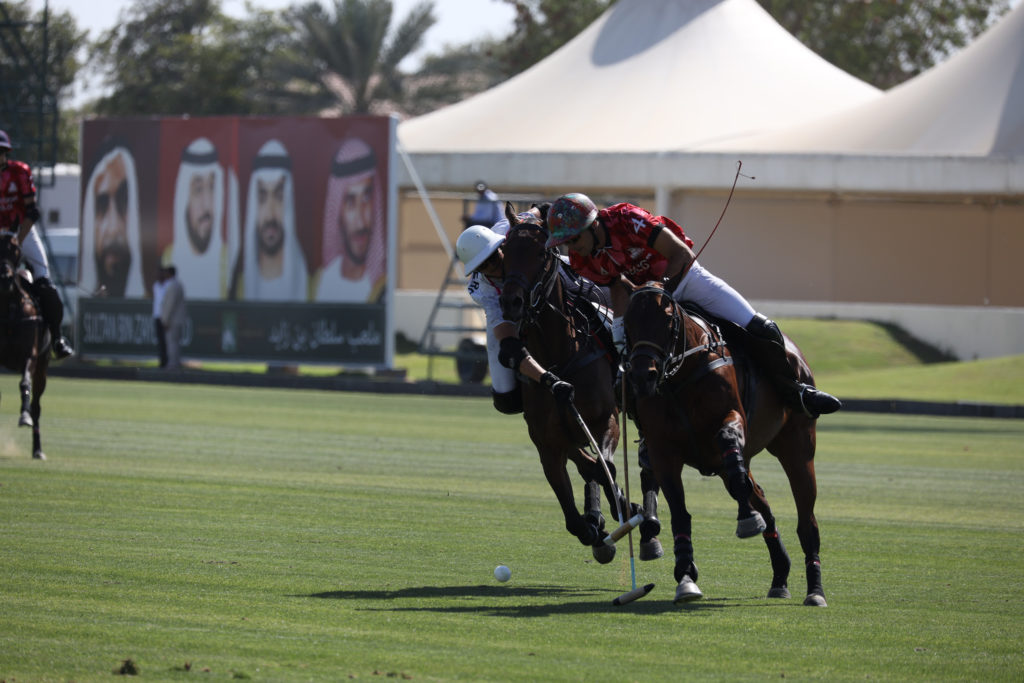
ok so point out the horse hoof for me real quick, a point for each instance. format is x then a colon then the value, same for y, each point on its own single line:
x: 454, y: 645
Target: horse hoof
x: 751, y: 526
x: 815, y: 600
x: 651, y: 550
x: 687, y: 591
x: 603, y: 552
x: 38, y: 455
x: 25, y: 420
x: 779, y: 592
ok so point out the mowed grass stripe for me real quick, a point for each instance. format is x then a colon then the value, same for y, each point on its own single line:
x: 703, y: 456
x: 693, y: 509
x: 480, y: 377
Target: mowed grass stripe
x: 293, y: 535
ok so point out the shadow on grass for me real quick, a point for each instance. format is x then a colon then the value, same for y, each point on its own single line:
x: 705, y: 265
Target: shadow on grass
x: 555, y: 600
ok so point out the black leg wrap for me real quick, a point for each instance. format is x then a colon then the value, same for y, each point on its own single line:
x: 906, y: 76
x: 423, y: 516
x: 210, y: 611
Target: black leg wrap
x: 683, y: 550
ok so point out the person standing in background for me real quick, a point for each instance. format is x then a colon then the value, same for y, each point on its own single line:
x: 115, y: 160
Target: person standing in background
x: 158, y: 325
x: 172, y: 315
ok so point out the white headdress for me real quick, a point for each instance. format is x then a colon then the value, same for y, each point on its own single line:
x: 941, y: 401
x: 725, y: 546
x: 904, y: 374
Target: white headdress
x: 203, y: 272
x: 271, y: 164
x: 89, y: 280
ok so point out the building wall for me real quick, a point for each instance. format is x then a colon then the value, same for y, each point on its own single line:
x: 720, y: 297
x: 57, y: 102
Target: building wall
x: 861, y: 249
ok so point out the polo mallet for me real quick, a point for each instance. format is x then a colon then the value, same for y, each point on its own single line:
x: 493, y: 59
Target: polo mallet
x: 645, y: 589
x: 626, y: 526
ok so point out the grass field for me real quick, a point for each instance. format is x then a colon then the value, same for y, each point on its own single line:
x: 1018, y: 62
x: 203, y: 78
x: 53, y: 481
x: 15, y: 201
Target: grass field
x: 286, y: 535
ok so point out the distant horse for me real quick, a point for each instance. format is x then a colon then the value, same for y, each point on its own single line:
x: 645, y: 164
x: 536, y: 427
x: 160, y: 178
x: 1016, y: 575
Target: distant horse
x: 561, y: 334
x: 700, y: 404
x: 24, y: 339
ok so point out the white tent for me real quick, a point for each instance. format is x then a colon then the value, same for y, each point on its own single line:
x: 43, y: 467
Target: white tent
x: 649, y: 75
x: 971, y: 105
x: 864, y: 203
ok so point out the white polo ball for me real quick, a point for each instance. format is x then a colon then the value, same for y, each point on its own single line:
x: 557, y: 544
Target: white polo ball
x: 502, y: 573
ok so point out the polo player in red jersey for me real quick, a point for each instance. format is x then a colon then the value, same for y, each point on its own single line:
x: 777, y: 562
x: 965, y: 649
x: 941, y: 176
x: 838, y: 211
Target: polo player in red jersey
x: 18, y: 213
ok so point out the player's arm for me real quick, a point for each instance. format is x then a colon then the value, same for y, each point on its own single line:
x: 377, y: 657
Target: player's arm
x: 679, y: 256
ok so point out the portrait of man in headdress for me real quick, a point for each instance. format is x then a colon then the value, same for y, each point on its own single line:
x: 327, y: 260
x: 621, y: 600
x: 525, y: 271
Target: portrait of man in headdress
x: 353, y: 253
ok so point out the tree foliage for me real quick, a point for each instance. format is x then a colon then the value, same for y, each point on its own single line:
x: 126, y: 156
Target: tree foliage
x: 175, y: 57
x: 32, y: 47
x: 543, y: 26
x: 346, y: 57
x: 885, y: 42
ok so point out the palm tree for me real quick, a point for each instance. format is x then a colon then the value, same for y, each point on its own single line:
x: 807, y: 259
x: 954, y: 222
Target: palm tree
x: 344, y: 58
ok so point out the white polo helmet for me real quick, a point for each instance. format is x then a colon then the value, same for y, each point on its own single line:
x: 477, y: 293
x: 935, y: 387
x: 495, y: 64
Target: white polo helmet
x: 476, y: 244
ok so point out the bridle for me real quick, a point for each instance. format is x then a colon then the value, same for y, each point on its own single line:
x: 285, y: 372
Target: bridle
x: 539, y: 289
x: 668, y: 360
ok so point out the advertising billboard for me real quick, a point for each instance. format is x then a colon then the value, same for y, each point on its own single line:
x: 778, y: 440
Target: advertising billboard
x: 282, y: 231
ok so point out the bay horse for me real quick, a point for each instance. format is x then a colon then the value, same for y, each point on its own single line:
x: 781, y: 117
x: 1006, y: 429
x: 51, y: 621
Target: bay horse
x: 699, y: 401
x: 24, y: 338
x: 561, y: 334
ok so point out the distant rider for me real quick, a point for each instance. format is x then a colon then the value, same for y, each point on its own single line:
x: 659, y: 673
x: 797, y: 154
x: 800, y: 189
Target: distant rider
x: 18, y: 213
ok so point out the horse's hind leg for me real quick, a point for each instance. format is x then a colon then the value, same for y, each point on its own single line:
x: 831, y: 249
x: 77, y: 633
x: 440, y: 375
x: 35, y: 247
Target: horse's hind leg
x: 650, y: 546
x: 25, y: 385
x: 776, y: 550
x: 798, y: 463
x: 730, y: 440
x: 38, y: 387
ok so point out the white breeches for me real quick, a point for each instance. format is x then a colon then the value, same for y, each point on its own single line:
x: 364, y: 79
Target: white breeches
x: 33, y: 252
x: 503, y: 380
x: 714, y: 295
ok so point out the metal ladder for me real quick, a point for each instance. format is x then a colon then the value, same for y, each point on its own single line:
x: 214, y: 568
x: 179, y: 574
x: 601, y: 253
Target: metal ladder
x: 470, y: 357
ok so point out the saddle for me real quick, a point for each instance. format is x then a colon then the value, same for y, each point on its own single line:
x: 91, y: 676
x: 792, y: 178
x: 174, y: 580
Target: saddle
x: 738, y: 341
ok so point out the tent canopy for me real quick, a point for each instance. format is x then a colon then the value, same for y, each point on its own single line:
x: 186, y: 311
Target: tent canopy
x: 971, y: 105
x: 649, y: 75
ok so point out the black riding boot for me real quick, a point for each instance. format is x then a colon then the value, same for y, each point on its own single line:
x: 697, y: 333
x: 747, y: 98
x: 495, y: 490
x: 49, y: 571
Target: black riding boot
x: 53, y: 316
x: 769, y: 349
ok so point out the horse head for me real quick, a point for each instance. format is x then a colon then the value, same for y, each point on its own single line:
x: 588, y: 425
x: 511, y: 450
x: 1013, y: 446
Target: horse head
x: 529, y: 266
x: 652, y: 323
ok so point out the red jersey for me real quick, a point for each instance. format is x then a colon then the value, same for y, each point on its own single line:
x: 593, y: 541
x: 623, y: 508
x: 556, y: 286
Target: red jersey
x: 16, y: 188
x: 630, y: 250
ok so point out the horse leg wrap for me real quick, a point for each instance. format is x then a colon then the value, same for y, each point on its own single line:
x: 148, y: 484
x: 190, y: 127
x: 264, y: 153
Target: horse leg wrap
x: 779, y: 557
x: 683, y: 550
x: 736, y: 471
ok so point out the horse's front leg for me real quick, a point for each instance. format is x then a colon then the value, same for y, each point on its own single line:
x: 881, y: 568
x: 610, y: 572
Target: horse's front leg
x: 603, y: 553
x: 669, y: 472
x: 729, y: 441
x: 26, y: 393
x: 554, y: 461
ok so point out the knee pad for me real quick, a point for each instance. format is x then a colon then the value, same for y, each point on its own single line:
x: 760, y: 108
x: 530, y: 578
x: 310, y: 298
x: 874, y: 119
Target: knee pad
x: 509, y: 402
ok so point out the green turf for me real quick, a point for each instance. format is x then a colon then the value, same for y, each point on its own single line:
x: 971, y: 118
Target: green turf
x: 285, y: 535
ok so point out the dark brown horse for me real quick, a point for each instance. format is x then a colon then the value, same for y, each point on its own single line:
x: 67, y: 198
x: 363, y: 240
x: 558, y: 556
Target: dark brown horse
x: 559, y: 331
x: 700, y: 404
x: 24, y: 339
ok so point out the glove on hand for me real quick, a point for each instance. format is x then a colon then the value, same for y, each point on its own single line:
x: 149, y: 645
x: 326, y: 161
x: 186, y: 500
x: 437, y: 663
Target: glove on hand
x: 562, y: 391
